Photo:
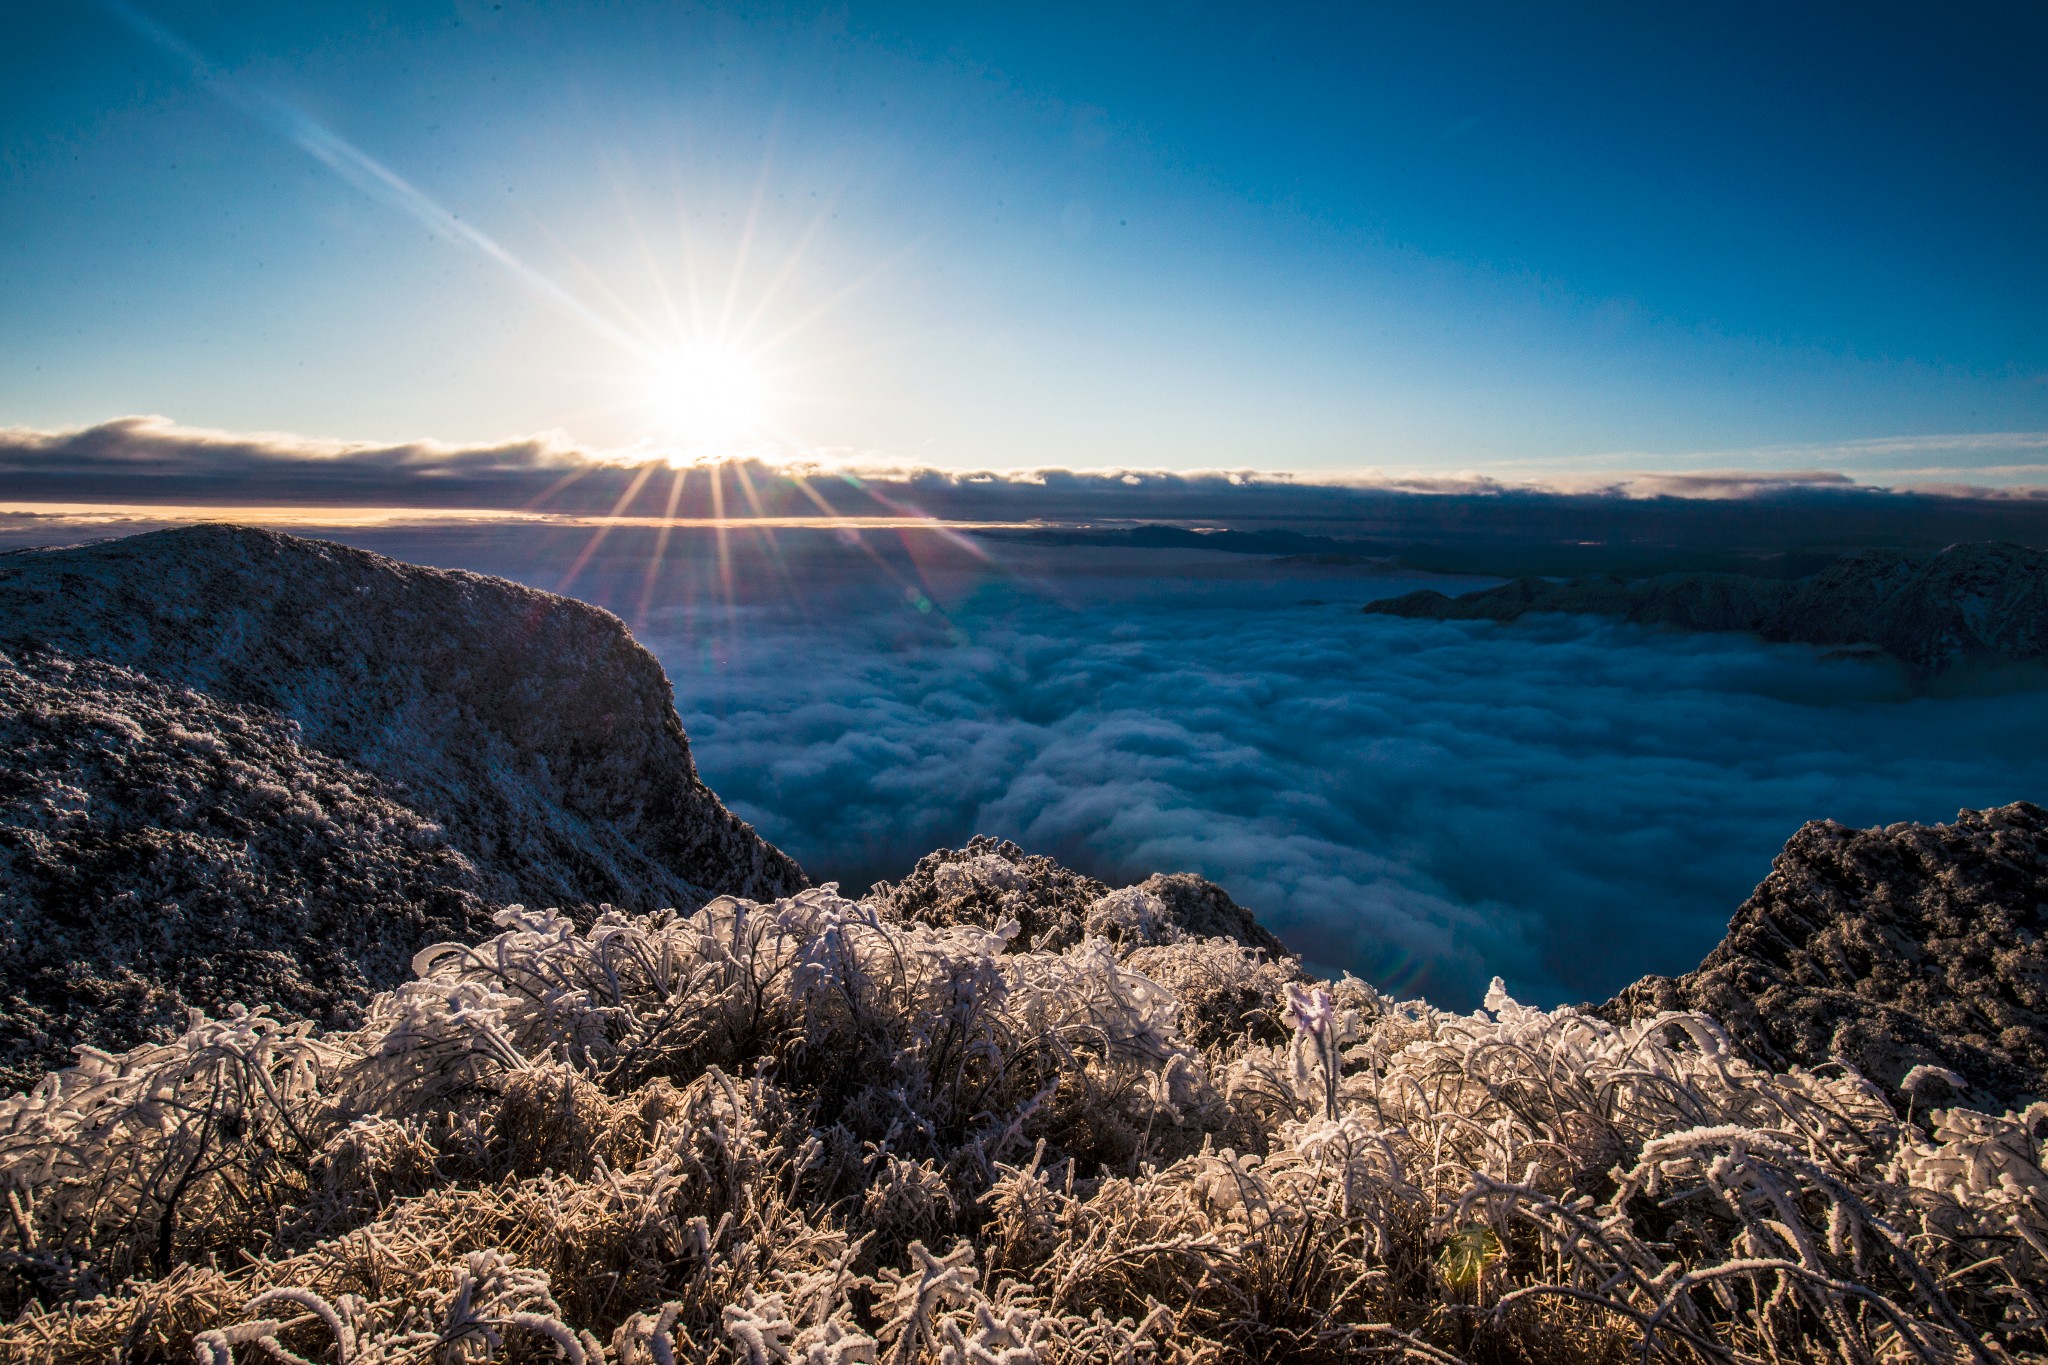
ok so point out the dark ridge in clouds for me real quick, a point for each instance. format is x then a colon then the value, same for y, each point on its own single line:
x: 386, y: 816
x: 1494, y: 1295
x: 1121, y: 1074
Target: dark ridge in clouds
x: 1634, y: 524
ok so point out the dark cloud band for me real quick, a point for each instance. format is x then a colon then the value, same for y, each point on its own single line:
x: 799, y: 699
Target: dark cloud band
x: 150, y: 459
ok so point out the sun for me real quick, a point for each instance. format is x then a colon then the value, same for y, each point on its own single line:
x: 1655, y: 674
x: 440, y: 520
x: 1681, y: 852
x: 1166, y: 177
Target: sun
x: 706, y: 396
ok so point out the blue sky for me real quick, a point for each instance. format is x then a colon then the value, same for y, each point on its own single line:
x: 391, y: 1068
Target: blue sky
x: 1526, y: 240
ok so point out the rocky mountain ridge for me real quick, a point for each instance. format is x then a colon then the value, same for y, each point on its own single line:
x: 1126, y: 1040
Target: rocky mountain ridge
x: 1889, y: 949
x: 242, y: 767
x: 1972, y: 602
x: 237, y: 767
x: 531, y: 726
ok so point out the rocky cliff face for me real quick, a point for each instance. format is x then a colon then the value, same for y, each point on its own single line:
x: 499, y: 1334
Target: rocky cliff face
x: 1889, y: 949
x: 531, y: 726
x: 1970, y: 602
x: 240, y: 767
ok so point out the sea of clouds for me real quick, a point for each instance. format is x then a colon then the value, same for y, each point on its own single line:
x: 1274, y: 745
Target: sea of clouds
x: 1568, y: 802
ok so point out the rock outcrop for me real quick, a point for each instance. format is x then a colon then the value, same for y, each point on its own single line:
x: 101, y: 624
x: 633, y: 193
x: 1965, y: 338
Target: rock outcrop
x: 1968, y: 603
x: 1183, y: 931
x: 992, y: 880
x: 531, y: 726
x: 1891, y: 948
x: 246, y: 768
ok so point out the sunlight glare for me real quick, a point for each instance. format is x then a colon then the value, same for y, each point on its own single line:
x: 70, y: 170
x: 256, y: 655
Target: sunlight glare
x: 707, y: 397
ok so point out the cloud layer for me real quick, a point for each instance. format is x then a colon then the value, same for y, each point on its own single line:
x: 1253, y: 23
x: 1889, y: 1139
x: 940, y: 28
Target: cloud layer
x: 1567, y: 802
x: 153, y: 460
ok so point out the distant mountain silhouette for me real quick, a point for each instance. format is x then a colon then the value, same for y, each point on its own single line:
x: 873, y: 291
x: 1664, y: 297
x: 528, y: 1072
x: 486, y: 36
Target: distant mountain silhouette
x: 1968, y: 603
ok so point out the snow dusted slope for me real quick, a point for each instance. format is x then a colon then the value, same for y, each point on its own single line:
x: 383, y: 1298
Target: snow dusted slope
x: 530, y: 725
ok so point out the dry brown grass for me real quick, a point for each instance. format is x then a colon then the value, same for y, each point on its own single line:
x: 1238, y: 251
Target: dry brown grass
x: 802, y: 1132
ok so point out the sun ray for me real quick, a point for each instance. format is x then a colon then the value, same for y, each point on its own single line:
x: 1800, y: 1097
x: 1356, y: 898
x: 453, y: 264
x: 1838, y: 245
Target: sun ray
x: 364, y: 172
x: 650, y: 339
x: 803, y: 485
x: 604, y: 528
x: 827, y: 360
x: 654, y: 559
x: 739, y: 470
x: 689, y: 254
x: 782, y: 277
x: 904, y: 509
x: 762, y: 527
x: 746, y: 245
x: 718, y: 525
x: 655, y: 274
x: 797, y: 327
x: 852, y: 528
x: 559, y: 484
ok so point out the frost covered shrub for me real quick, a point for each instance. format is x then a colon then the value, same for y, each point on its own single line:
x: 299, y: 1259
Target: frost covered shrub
x: 808, y: 1131
x: 1227, y: 992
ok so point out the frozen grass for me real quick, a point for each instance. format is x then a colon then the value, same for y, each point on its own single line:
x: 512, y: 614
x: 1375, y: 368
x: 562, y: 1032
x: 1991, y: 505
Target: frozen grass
x: 804, y: 1131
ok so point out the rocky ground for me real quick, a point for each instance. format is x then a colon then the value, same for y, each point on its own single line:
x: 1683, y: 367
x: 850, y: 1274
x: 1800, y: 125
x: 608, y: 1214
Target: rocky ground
x: 161, y: 852
x: 531, y: 726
